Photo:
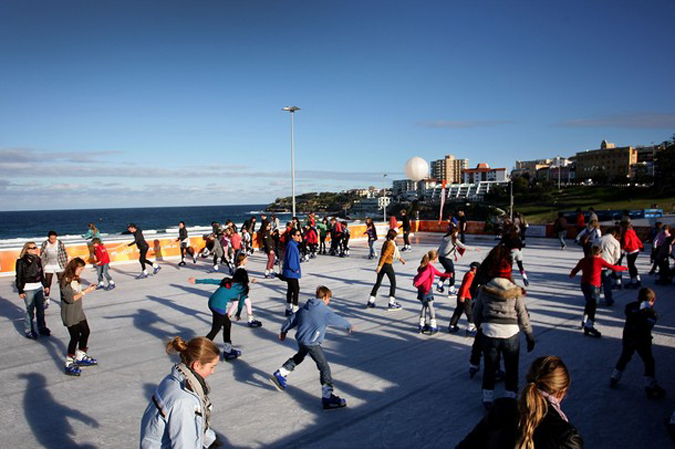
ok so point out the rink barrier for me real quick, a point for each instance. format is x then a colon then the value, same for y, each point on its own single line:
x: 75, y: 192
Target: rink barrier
x: 167, y: 248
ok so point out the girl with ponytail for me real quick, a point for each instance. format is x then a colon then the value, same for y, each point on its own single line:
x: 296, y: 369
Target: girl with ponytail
x: 424, y: 281
x: 536, y: 419
x: 180, y: 411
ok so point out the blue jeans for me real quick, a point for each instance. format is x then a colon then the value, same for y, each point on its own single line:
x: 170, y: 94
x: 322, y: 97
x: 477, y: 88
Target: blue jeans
x: 316, y: 353
x: 607, y: 282
x: 370, y: 246
x: 35, y: 302
x: 562, y: 235
x: 493, y: 348
x: 591, y: 295
x: 102, y: 270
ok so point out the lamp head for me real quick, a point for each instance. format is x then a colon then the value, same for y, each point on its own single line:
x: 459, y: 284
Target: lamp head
x: 291, y: 109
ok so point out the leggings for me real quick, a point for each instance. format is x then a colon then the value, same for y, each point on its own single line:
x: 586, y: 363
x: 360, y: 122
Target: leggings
x: 462, y: 307
x: 234, y: 304
x: 428, y: 305
x: 293, y: 291
x: 270, y: 260
x: 142, y: 259
x: 79, y: 335
x: 186, y: 249
x: 389, y: 271
x: 630, y: 260
x: 220, y: 321
x: 50, y: 276
x: 449, y: 267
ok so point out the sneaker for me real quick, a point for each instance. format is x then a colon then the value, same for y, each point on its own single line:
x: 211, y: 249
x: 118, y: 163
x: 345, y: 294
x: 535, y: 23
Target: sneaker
x: 394, y: 306
x: 333, y: 402
x: 142, y: 276
x: 71, y: 369
x: 592, y: 332
x: 473, y: 370
x: 233, y: 354
x: 655, y: 392
x: 110, y: 287
x: 45, y: 332
x: 453, y: 328
x: 32, y: 335
x: 278, y: 380
x: 85, y: 360
x: 254, y: 323
x: 156, y: 270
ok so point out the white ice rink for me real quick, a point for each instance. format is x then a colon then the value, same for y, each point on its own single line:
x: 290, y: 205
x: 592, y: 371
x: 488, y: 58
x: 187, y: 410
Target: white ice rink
x: 403, y: 390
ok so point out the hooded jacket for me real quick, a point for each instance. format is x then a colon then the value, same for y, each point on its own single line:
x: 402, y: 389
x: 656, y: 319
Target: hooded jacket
x: 312, y: 320
x: 611, y: 249
x: 291, y: 264
x: 500, y: 301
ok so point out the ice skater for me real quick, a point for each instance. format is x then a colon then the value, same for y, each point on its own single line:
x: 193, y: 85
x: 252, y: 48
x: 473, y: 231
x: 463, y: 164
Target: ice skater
x: 229, y: 289
x: 631, y: 246
x: 311, y: 322
x: 102, y: 263
x: 405, y: 226
x: 143, y: 248
x: 513, y: 239
x: 384, y: 266
x: 371, y: 233
x: 450, y: 248
x: 591, y: 269
x: 424, y: 282
x: 465, y: 302
x: 32, y: 288
x: 291, y: 272
x: 184, y: 244
x: 73, y: 317
x: 241, y: 274
x: 54, y: 259
x: 637, y: 337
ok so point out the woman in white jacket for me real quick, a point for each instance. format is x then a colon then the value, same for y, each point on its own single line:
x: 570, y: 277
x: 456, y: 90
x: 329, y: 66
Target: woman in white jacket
x: 179, y: 413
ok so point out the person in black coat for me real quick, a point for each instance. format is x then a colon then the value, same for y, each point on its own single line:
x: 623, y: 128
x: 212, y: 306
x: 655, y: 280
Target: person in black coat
x: 535, y: 420
x: 32, y: 287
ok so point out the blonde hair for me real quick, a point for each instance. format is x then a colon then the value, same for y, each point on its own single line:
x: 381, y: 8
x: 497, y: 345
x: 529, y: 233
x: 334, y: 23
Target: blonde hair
x: 92, y: 226
x: 428, y: 257
x: 24, y: 250
x: 548, y: 374
x: 198, y: 349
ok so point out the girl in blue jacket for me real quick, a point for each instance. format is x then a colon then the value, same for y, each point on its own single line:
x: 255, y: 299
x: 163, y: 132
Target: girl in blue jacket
x: 291, y: 272
x: 229, y: 289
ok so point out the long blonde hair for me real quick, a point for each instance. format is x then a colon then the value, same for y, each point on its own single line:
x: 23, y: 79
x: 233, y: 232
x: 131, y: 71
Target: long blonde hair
x: 24, y: 250
x: 548, y: 374
x: 428, y: 257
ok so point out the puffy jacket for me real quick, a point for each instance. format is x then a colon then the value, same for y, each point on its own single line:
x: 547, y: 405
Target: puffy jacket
x: 312, y: 320
x: 174, y: 418
x: 500, y: 301
x: 28, y: 270
x: 291, y: 268
x: 499, y: 429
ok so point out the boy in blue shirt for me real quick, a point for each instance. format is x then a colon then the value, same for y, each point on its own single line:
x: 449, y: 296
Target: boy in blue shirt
x: 311, y: 321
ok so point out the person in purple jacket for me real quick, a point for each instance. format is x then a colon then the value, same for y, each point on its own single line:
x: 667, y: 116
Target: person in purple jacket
x: 291, y: 271
x: 311, y: 322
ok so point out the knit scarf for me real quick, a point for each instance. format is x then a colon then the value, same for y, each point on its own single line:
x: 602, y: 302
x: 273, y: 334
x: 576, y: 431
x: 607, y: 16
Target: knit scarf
x: 195, y: 383
x: 555, y: 403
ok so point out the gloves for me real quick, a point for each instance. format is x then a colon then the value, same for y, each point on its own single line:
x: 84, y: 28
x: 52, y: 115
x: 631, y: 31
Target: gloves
x: 530, y: 342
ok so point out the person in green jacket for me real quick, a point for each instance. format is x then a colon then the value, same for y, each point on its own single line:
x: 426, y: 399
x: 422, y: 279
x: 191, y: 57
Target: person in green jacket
x: 322, y: 227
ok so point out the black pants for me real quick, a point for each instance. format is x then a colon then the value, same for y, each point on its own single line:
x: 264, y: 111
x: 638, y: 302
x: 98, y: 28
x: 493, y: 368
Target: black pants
x: 220, y: 321
x: 630, y: 260
x: 477, y: 349
x: 79, y: 336
x: 389, y: 271
x: 59, y: 275
x: 142, y: 259
x: 406, y: 237
x: 316, y: 353
x: 293, y: 291
x: 462, y: 307
x: 462, y: 237
x: 644, y: 350
x: 509, y: 348
x: 186, y: 249
x: 449, y: 267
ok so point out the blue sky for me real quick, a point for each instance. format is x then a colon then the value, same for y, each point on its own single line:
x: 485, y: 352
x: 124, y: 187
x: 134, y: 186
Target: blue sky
x: 139, y: 103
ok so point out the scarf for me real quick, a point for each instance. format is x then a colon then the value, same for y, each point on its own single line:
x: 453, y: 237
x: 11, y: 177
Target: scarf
x: 555, y: 403
x: 195, y: 383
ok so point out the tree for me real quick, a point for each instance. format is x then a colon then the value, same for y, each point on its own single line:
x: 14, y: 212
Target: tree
x: 520, y: 185
x: 665, y: 170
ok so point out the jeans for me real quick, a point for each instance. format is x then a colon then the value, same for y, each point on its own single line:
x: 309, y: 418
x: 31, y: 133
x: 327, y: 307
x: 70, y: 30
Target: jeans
x: 102, y: 270
x: 79, y: 335
x: 371, y: 247
x: 389, y: 271
x: 493, y: 348
x: 220, y: 322
x: 35, y: 302
x: 644, y: 350
x: 316, y: 353
x: 591, y: 295
x: 607, y: 282
x: 562, y: 235
x: 449, y: 267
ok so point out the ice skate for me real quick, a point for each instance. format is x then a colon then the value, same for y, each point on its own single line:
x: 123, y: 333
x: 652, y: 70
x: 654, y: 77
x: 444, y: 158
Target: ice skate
x: 71, y: 369
x: 333, y: 402
x: 142, y: 276
x: 278, y: 381
x: 156, y: 270
x: 233, y: 354
x: 84, y: 359
x: 254, y: 323
x: 591, y: 331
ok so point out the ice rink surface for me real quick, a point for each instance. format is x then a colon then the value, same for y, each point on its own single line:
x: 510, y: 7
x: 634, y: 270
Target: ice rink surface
x: 403, y: 390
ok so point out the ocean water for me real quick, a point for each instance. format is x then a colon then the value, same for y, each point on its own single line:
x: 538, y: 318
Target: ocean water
x: 17, y: 227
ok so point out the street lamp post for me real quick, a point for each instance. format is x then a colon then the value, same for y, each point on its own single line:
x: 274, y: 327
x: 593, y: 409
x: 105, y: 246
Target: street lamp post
x: 384, y: 195
x: 292, y: 110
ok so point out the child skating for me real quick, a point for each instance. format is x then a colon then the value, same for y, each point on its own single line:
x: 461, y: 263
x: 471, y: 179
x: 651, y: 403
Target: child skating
x: 242, y: 259
x: 424, y: 282
x: 637, y: 336
x: 465, y: 302
x: 591, y: 269
x: 384, y: 266
x: 102, y: 265
x: 311, y: 322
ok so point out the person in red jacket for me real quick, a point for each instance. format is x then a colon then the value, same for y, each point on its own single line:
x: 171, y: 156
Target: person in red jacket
x: 631, y: 245
x: 102, y: 263
x: 465, y: 302
x: 591, y: 269
x: 424, y: 281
